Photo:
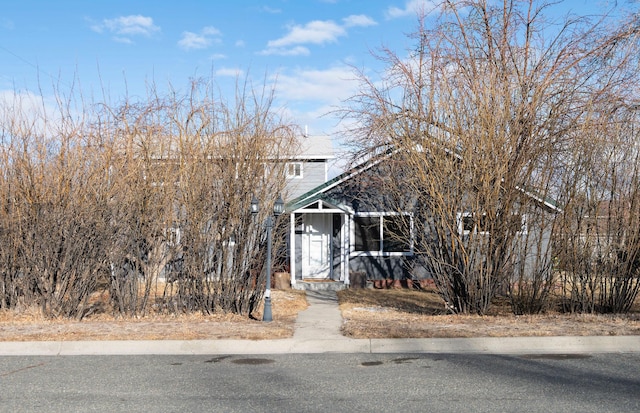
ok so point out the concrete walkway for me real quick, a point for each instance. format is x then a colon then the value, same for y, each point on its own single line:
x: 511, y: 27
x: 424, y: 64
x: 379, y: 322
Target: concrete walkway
x: 317, y: 330
x: 321, y: 320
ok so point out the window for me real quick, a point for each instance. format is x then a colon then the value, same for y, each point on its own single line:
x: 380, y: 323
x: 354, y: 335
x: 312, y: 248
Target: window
x: 173, y: 235
x: 383, y: 234
x: 394, y: 239
x: 469, y: 223
x: 465, y: 223
x: 367, y: 233
x: 518, y: 224
x: 294, y: 170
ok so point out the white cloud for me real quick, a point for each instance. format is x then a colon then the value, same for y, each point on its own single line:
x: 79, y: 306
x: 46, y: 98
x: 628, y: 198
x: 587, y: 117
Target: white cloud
x: 211, y: 31
x: 411, y: 8
x: 202, y: 40
x: 310, y: 97
x: 283, y: 51
x: 331, y: 85
x: 315, y: 32
x: 124, y: 40
x: 229, y: 72
x: 38, y: 111
x: 18, y: 101
x: 191, y: 40
x: 358, y: 20
x: 125, y: 26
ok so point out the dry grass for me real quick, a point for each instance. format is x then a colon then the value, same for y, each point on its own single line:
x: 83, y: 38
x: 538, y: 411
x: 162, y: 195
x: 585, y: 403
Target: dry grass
x: 370, y: 313
x: 32, y: 326
x: 367, y: 313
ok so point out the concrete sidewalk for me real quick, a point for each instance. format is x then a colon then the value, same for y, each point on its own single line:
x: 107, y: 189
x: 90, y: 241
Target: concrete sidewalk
x: 317, y: 330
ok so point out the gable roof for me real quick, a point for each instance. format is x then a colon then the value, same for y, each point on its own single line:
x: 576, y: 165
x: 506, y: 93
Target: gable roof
x: 320, y: 198
x: 317, y: 192
x: 315, y: 147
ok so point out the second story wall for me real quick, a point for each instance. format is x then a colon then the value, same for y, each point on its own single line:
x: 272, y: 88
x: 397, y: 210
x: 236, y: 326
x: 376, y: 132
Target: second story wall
x: 310, y: 167
x: 304, y: 175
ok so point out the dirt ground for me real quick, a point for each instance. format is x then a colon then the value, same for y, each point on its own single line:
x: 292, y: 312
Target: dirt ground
x: 367, y: 313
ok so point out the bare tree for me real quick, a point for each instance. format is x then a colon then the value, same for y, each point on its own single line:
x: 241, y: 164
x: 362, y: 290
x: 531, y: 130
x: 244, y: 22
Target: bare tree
x: 598, y: 238
x: 53, y: 226
x: 188, y: 165
x: 148, y: 199
x: 483, y: 113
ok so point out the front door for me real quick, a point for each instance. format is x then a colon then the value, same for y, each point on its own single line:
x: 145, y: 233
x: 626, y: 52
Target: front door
x: 315, y: 246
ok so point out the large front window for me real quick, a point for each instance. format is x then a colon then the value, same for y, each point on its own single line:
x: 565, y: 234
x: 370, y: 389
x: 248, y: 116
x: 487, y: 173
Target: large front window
x: 381, y: 234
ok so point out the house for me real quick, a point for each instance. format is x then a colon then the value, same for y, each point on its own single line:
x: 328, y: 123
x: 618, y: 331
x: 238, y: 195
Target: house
x: 309, y: 167
x: 217, y: 177
x: 338, y: 229
x: 347, y: 227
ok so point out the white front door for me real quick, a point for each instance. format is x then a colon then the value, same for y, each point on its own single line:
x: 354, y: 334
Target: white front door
x: 315, y: 246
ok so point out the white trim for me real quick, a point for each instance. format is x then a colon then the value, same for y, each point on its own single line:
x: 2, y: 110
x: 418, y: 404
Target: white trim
x: 292, y: 248
x: 381, y: 254
x: 326, y: 171
x: 344, y: 248
x: 539, y: 199
x: 321, y: 210
x: 460, y: 216
x: 368, y: 164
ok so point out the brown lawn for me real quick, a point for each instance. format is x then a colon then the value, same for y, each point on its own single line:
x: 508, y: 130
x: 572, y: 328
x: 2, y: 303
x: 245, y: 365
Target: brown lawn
x: 367, y: 313
x: 31, y: 326
x: 397, y: 313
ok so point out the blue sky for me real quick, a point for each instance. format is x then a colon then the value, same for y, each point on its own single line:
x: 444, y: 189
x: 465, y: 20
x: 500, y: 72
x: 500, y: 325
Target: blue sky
x: 118, y: 45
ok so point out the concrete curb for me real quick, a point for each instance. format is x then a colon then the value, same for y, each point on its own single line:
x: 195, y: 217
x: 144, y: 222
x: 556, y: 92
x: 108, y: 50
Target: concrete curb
x: 511, y: 345
x: 317, y: 330
x: 483, y: 345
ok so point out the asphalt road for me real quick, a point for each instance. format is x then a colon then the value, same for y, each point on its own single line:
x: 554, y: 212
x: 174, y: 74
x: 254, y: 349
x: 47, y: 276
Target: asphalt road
x: 322, y: 383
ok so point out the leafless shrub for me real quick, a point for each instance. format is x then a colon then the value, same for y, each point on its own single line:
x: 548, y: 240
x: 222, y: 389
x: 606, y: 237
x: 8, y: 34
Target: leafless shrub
x: 484, y: 114
x: 598, y: 238
x: 53, y: 226
x: 126, y: 195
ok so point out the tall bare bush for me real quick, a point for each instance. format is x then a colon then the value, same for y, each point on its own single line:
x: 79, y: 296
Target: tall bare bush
x: 148, y: 198
x: 598, y: 235
x: 484, y: 110
x: 187, y: 168
x: 53, y: 226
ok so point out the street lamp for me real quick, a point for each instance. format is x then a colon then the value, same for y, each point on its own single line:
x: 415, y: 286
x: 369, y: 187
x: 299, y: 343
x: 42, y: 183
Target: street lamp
x: 278, y: 209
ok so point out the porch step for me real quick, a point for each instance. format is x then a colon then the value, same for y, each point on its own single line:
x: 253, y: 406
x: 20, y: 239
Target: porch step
x: 323, y: 285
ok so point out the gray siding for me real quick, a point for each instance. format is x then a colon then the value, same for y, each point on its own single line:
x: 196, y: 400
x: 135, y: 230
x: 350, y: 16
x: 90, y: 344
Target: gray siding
x: 313, y: 175
x: 534, y: 252
x: 379, y: 268
x: 391, y: 268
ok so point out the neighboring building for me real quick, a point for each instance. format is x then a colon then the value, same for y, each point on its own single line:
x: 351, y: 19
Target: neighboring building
x: 309, y: 168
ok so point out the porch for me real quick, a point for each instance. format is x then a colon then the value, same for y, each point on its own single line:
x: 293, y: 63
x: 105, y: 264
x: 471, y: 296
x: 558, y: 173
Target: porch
x: 319, y: 246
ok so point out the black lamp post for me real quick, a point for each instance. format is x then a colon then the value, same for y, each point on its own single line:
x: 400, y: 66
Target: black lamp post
x: 278, y: 209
